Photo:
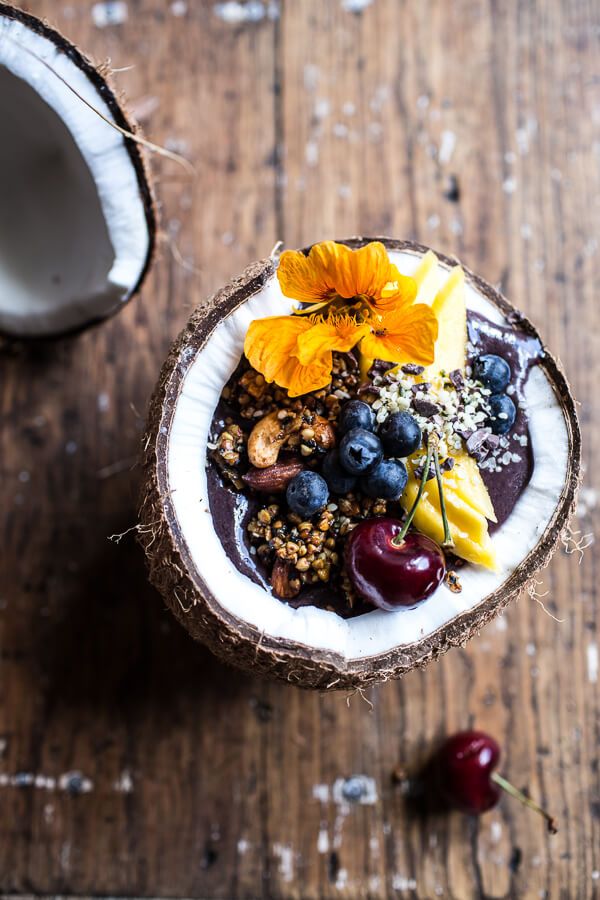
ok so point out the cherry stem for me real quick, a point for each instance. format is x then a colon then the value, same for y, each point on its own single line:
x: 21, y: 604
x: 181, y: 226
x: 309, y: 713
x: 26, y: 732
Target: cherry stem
x: 448, y: 542
x: 397, y: 541
x: 525, y: 800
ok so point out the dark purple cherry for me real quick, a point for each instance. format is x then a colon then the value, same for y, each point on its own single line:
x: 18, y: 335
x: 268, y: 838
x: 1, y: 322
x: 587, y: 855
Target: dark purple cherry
x: 393, y: 575
x: 463, y: 769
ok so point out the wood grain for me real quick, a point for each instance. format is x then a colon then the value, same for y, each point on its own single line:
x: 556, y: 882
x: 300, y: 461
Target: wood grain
x: 472, y: 127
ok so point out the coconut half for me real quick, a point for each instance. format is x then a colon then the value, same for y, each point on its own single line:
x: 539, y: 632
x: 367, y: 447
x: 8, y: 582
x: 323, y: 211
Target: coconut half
x: 77, y: 223
x: 314, y: 648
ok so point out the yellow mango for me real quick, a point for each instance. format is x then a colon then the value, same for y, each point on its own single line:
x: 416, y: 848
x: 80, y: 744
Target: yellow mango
x: 428, y: 520
x: 469, y: 484
x: 427, y: 276
x: 451, y: 311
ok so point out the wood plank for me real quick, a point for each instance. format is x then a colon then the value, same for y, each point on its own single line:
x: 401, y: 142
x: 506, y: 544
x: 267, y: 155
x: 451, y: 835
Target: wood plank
x: 467, y: 126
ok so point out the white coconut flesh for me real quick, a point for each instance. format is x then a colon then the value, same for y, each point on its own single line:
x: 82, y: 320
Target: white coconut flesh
x: 74, y: 238
x: 376, y: 632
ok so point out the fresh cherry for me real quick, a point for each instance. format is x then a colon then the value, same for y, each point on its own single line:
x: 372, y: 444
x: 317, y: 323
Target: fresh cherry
x: 463, y: 770
x: 393, y: 575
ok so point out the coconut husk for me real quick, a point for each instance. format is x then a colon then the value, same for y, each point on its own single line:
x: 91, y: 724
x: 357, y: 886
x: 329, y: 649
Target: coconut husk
x: 175, y: 575
x: 101, y: 79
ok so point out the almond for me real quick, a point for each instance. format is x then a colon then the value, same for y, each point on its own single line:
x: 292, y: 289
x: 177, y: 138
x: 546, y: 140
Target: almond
x: 324, y: 433
x: 283, y: 586
x: 273, y: 479
x: 269, y: 435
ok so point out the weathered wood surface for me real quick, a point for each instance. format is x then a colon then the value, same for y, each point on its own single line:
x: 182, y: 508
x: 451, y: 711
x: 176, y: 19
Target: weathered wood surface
x: 470, y: 126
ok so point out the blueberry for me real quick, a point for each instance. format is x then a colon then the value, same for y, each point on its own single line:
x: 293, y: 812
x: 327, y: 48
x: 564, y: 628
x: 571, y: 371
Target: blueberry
x: 503, y: 413
x: 356, y: 414
x: 360, y: 451
x: 492, y: 371
x: 307, y: 494
x: 400, y: 434
x: 386, y: 481
x: 337, y: 478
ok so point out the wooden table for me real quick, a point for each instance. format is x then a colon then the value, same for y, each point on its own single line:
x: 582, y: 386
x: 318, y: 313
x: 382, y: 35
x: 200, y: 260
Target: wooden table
x: 157, y: 771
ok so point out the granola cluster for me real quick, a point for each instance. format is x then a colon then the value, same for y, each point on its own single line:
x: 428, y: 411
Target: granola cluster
x: 312, y: 550
x: 249, y: 394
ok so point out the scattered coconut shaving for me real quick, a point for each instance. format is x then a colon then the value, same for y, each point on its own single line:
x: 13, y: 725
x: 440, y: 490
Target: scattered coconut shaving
x: 532, y: 592
x: 575, y: 542
x: 136, y: 138
x: 139, y: 529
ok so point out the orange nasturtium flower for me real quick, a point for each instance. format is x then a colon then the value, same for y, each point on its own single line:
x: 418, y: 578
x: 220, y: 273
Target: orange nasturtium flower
x: 355, y: 297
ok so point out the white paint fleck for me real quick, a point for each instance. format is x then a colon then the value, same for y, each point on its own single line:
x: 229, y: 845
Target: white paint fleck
x: 344, y: 191
x: 501, y: 624
x: 595, y: 875
x: 530, y: 649
x: 380, y: 97
x: 374, y: 131
x: 65, y: 856
x: 285, y: 854
x: 510, y: 158
x: 422, y: 101
x: 235, y: 13
x: 71, y: 448
x: 402, y: 883
x: 588, y: 499
x: 179, y: 8
x: 124, y: 783
x: 433, y: 222
x: 243, y: 846
x: 227, y: 238
x: 103, y: 402
x: 75, y: 782
x: 495, y: 832
x: 509, y: 185
x: 447, y: 145
x: 48, y: 813
x: 322, y: 108
x: 311, y: 76
x: 323, y: 840
x: 590, y: 247
x: 321, y: 792
x: 340, y: 130
x: 366, y: 785
x: 342, y: 879
x: 355, y: 6
x: 348, y: 109
x: 24, y: 476
x: 456, y: 226
x: 592, y: 663
x: 526, y: 231
x: 111, y: 12
x: 311, y: 153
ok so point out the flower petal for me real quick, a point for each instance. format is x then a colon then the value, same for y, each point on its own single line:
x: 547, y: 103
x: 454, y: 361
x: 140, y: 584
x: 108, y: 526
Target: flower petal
x: 408, y: 333
x: 332, y: 269
x: 309, y: 279
x: 332, y: 334
x: 365, y: 271
x: 271, y: 342
x: 399, y: 291
x: 271, y: 345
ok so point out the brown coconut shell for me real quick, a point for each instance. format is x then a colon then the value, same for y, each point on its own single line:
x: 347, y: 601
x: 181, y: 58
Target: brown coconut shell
x: 102, y: 82
x: 175, y: 575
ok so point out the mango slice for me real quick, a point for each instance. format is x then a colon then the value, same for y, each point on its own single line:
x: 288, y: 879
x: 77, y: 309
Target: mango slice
x: 468, y: 503
x: 450, y: 308
x: 468, y: 528
x: 427, y: 276
x: 466, y: 479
